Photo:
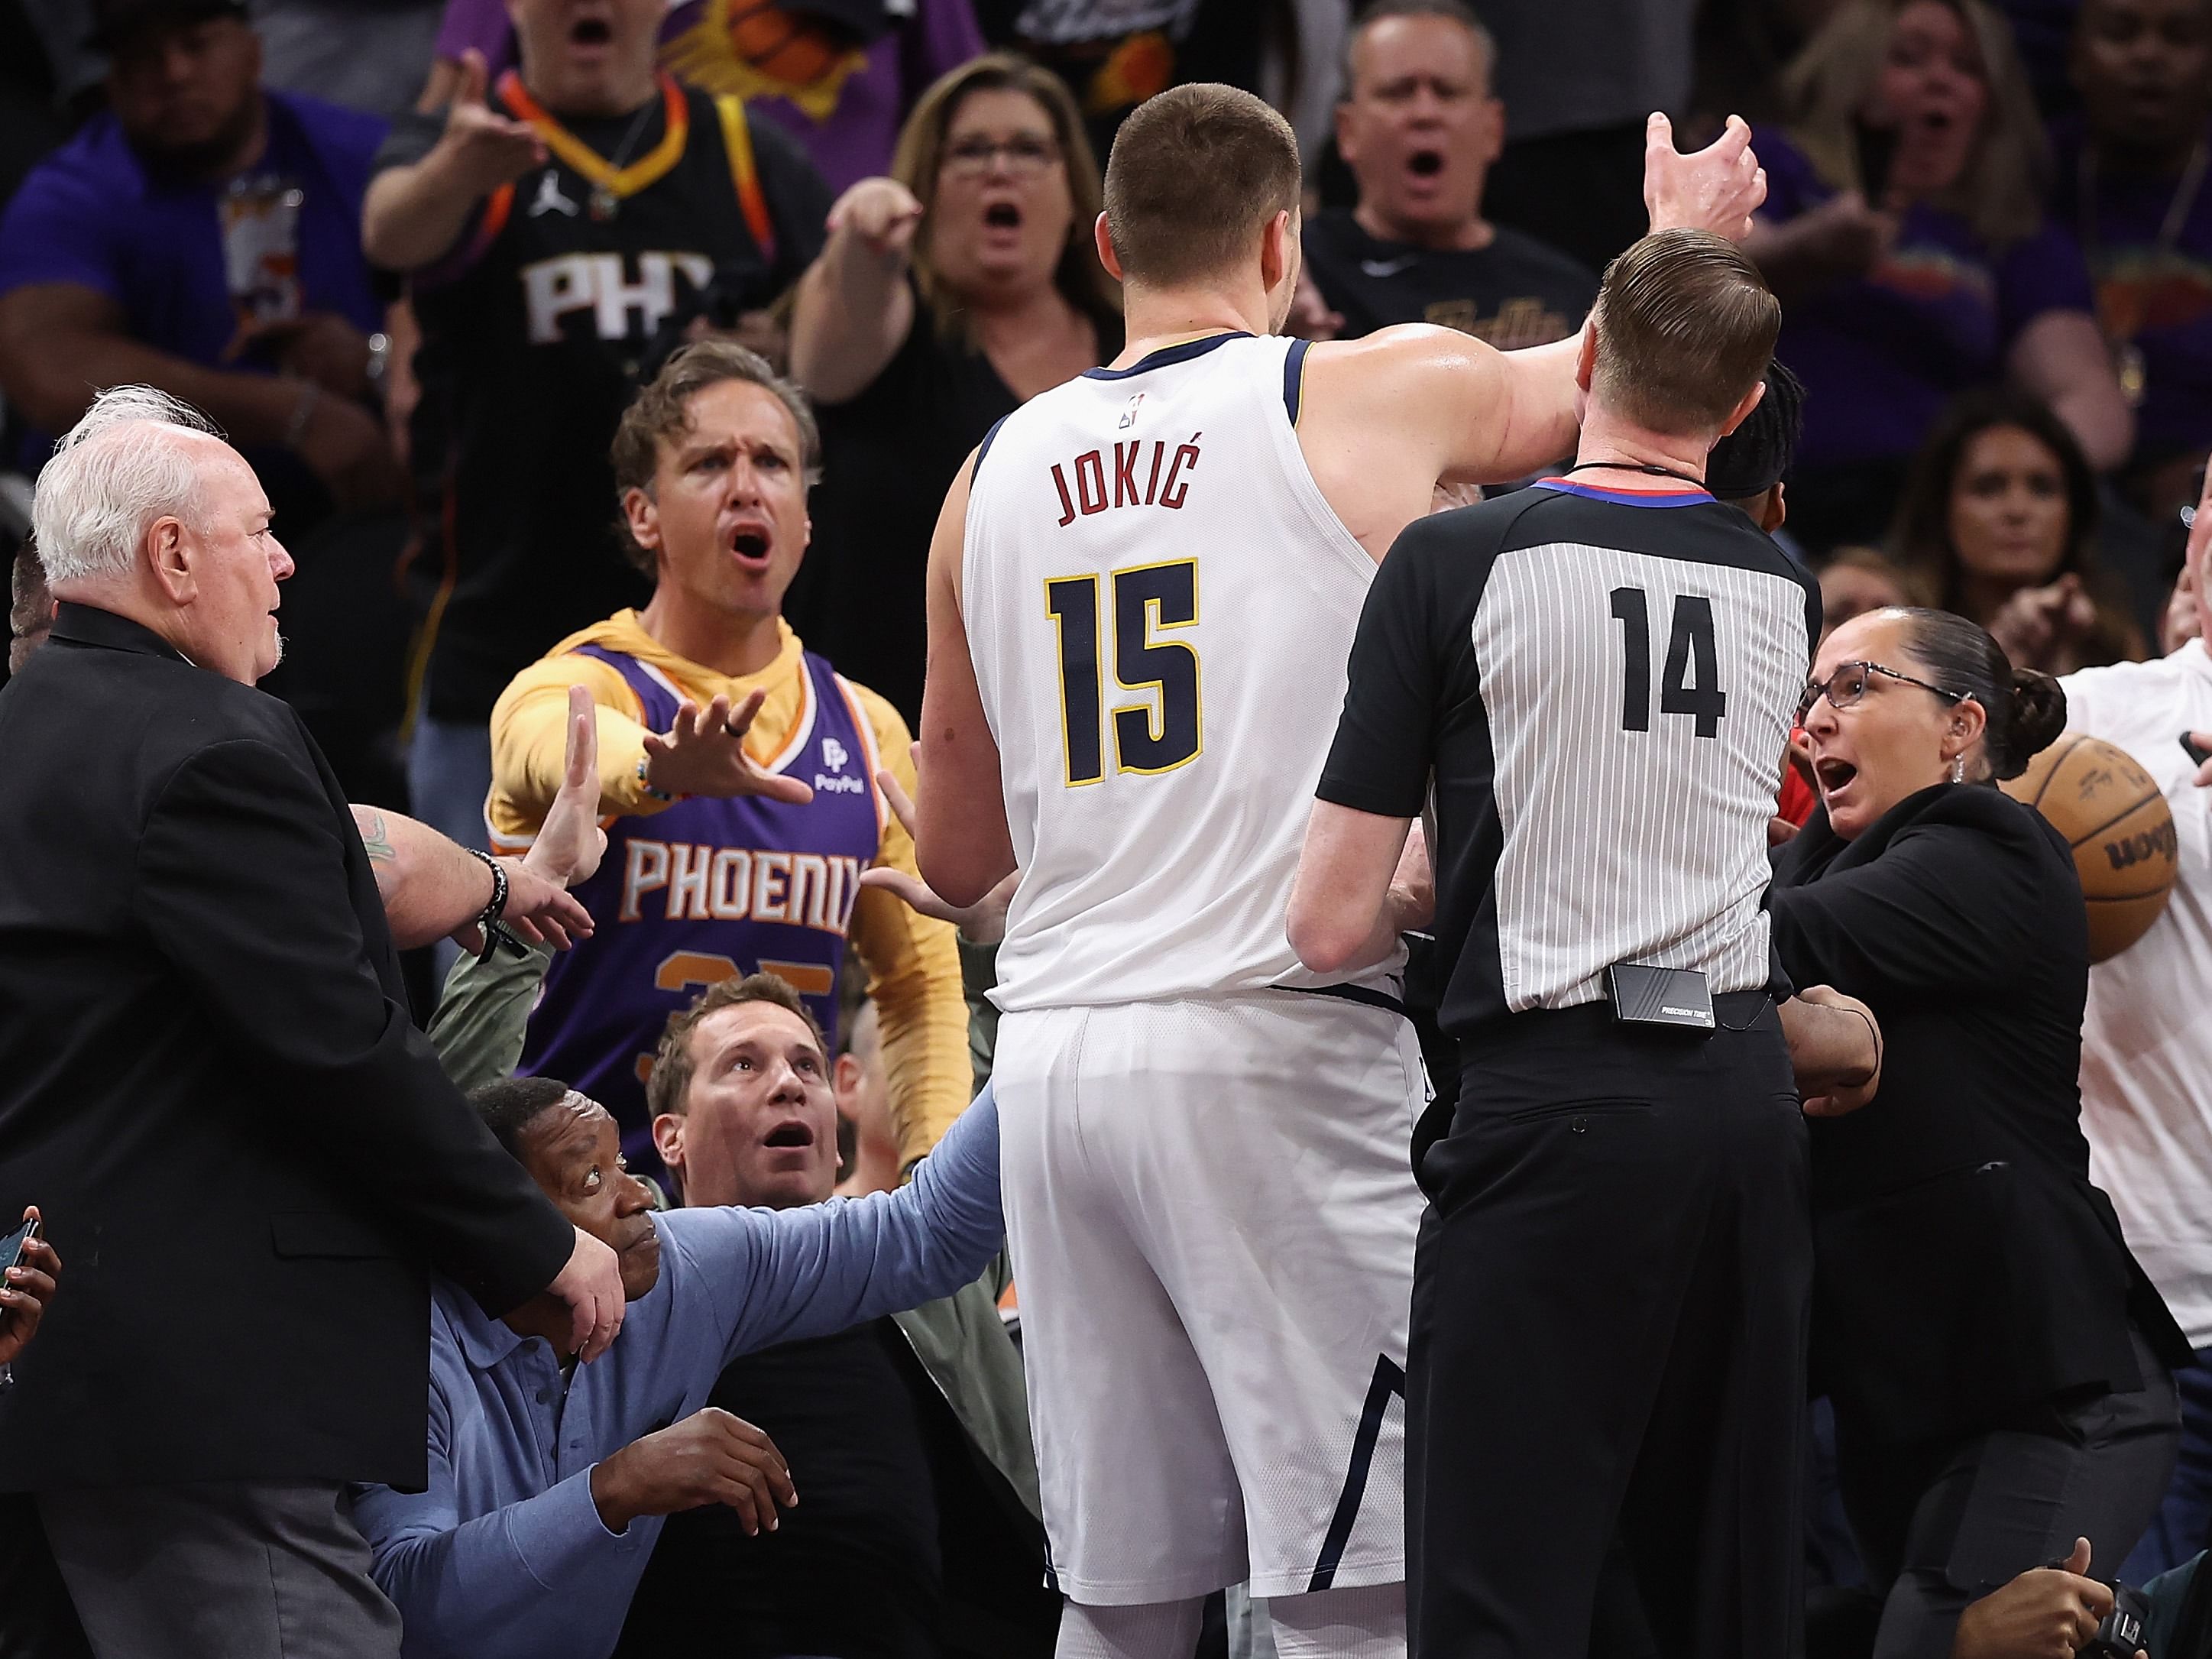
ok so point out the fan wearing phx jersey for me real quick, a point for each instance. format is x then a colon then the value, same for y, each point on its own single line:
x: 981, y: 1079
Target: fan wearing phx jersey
x: 738, y: 770
x: 1141, y: 596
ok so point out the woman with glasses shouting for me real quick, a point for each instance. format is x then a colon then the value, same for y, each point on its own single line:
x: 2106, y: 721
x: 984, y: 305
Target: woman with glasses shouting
x: 1999, y: 1365
x: 948, y: 294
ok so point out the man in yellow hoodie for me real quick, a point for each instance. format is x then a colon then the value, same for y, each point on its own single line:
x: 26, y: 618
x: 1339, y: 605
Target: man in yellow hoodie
x: 736, y: 770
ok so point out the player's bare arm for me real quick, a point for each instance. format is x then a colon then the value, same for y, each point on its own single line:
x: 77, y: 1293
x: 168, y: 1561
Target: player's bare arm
x: 983, y: 922
x: 1389, y: 415
x: 961, y: 841
x: 1362, y: 880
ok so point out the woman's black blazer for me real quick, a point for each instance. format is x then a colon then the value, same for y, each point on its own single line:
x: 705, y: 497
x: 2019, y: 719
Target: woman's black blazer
x: 1966, y: 1269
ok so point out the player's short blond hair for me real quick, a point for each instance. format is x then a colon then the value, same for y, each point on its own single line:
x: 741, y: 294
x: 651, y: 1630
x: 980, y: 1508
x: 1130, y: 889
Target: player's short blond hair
x: 1194, y: 174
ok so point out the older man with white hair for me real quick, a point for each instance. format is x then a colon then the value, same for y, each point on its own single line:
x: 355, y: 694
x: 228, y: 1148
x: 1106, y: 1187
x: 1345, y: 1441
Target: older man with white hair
x: 209, y: 1086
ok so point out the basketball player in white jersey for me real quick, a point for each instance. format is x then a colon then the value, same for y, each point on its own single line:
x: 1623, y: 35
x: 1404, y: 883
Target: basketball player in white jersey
x: 1141, y: 596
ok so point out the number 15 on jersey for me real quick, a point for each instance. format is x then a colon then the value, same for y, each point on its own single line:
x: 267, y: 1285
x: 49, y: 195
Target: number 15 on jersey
x: 1160, y: 731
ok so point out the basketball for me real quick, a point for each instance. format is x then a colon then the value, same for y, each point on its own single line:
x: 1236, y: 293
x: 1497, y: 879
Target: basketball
x: 792, y: 49
x: 2113, y: 817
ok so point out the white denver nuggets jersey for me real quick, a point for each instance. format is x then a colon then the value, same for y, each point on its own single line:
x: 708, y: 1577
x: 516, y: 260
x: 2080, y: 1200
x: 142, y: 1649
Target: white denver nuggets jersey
x: 1159, y: 604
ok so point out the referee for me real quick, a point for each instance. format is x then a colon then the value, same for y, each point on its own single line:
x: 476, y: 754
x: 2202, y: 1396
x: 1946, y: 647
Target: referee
x: 1605, y: 1377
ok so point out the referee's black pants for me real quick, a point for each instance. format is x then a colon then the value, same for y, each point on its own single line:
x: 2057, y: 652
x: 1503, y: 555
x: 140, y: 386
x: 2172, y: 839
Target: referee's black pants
x: 1605, y: 1392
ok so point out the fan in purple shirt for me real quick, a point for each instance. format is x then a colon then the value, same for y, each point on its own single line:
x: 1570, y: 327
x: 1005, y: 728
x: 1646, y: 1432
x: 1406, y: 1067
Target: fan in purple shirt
x: 839, y: 75
x: 203, y: 235
x: 2131, y: 182
x: 1903, y: 232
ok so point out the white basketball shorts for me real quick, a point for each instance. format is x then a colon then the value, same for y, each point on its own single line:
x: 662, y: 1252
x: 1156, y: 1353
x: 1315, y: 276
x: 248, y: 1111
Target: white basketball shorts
x: 1212, y: 1217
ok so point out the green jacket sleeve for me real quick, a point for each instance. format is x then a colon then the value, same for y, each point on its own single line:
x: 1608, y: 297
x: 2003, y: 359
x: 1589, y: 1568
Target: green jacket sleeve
x: 979, y: 972
x: 478, y: 1029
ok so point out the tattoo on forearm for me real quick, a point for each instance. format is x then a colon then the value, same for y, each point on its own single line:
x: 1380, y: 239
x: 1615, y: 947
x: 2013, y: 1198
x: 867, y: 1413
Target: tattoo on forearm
x: 376, y: 840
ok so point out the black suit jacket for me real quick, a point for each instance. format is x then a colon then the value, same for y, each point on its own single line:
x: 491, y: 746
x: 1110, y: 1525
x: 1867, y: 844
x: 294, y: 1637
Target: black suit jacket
x: 1967, y: 1271
x: 246, y: 1154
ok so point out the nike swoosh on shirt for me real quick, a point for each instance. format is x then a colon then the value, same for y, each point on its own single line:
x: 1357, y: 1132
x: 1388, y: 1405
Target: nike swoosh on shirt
x: 1386, y: 267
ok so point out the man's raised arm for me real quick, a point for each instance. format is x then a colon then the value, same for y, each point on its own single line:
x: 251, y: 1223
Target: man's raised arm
x: 414, y: 214
x: 779, y: 1275
x: 433, y: 888
x: 1486, y: 415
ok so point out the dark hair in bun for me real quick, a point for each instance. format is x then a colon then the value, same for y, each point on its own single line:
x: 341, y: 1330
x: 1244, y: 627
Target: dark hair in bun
x: 2026, y: 710
x: 2039, y: 716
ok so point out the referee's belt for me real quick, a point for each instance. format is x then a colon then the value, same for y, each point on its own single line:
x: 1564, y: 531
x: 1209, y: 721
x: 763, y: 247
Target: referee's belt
x: 1733, y: 1010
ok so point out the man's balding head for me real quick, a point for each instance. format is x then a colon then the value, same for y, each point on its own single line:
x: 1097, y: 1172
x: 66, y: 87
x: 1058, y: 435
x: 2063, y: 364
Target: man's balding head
x: 128, y: 461
x: 1418, y: 126
x: 143, y: 511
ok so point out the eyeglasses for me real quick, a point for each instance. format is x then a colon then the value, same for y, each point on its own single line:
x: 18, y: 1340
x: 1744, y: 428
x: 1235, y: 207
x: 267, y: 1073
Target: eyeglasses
x: 1025, y: 154
x: 1849, y: 684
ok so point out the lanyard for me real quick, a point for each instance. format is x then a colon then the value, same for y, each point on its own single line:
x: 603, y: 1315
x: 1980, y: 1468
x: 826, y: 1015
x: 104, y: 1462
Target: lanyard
x: 611, y: 181
x: 2122, y: 320
x: 1634, y: 466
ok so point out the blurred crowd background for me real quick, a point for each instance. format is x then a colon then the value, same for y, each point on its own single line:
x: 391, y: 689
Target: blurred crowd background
x: 1989, y: 223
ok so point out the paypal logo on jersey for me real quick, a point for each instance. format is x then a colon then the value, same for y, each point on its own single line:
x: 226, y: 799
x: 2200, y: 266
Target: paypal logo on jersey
x: 833, y: 756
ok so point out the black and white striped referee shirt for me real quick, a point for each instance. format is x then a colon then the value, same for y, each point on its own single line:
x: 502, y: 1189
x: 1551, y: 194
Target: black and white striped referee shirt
x: 1601, y: 682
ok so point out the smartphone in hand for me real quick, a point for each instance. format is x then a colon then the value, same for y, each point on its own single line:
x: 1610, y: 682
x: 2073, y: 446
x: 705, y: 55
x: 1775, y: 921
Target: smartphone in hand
x: 11, y: 1246
x: 1877, y: 150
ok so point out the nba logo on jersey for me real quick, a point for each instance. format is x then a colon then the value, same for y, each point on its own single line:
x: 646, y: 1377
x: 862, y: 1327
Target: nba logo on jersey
x: 1129, y: 414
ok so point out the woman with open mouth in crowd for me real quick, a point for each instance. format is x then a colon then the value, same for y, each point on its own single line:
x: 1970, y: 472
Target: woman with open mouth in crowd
x: 1999, y: 1364
x: 1905, y: 230
x: 948, y: 296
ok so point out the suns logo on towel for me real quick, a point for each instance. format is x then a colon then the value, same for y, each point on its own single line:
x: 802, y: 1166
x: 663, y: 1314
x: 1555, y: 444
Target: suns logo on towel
x: 758, y: 49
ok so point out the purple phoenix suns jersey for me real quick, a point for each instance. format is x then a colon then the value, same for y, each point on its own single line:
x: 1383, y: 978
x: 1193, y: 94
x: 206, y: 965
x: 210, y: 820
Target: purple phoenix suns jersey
x: 706, y: 889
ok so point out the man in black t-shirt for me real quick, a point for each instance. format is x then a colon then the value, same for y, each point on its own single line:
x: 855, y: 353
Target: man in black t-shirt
x: 1419, y: 128
x: 1587, y: 682
x: 562, y: 230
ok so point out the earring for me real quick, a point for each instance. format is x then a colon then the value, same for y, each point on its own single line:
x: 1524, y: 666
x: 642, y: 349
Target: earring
x: 1958, y: 769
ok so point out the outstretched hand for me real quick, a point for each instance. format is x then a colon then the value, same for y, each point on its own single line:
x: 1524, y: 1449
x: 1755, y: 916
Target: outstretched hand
x: 983, y: 922
x: 1717, y: 188
x: 486, y: 149
x: 883, y: 213
x: 570, y: 843
x: 703, y: 753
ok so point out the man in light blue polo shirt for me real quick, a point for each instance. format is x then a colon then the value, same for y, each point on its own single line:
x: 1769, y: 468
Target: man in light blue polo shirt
x: 548, y: 1480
